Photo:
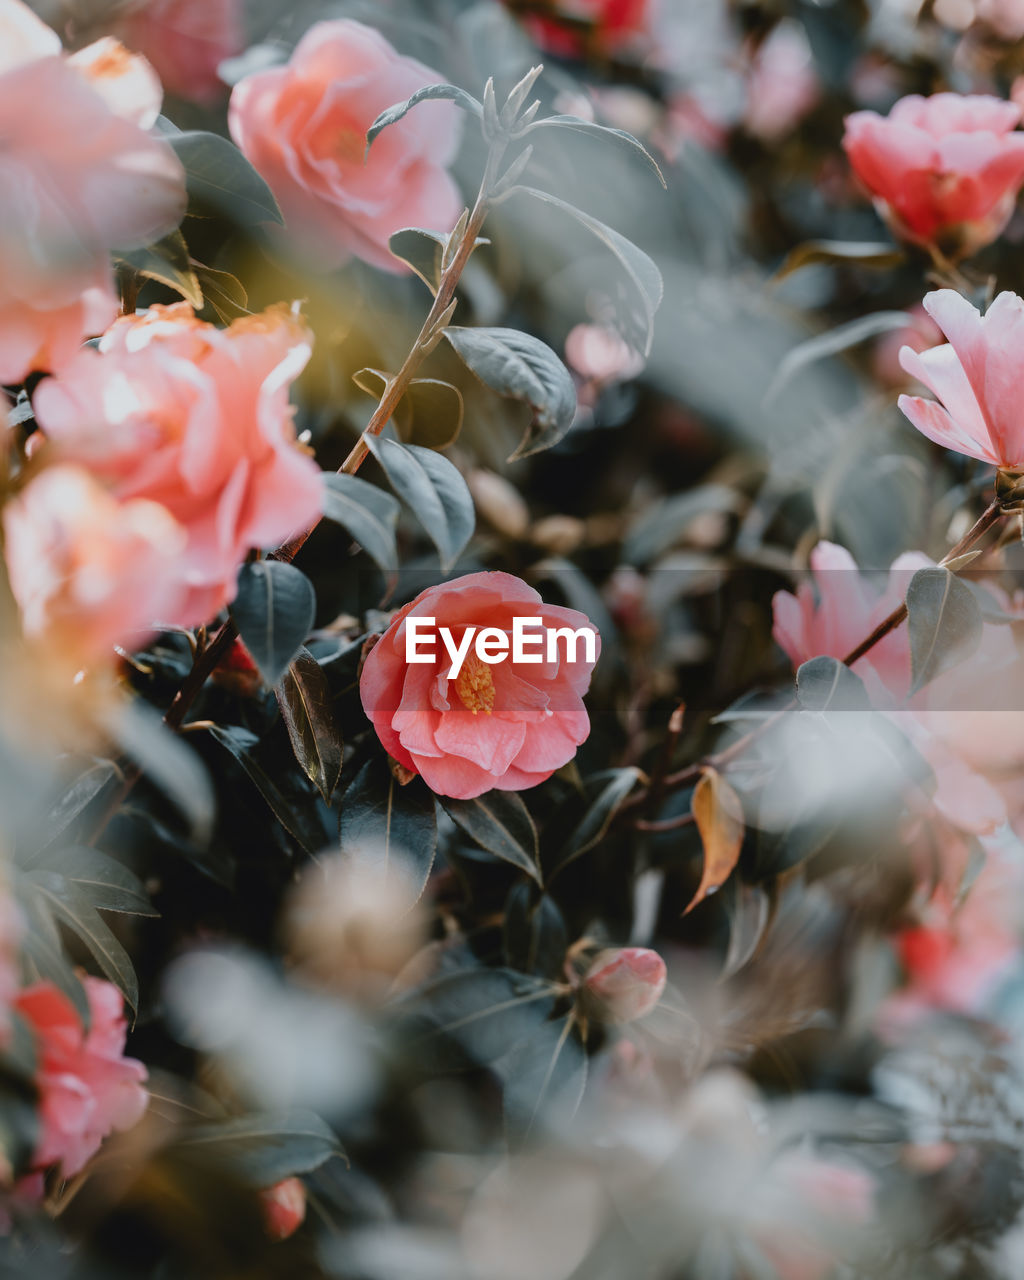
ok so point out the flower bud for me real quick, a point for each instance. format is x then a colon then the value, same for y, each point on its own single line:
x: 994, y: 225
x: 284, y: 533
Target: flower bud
x: 624, y: 983
x: 284, y: 1208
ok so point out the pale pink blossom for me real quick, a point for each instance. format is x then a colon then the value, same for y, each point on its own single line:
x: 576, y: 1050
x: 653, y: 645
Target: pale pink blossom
x: 920, y: 333
x: 625, y: 983
x: 600, y: 354
x: 943, y: 170
x: 195, y: 418
x: 186, y: 41
x: 87, y: 1087
x: 89, y: 572
x: 782, y: 86
x: 975, y: 377
x: 303, y: 126
x: 507, y: 725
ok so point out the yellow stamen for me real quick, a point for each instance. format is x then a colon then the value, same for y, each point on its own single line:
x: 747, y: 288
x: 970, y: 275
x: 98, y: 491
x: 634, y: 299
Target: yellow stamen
x: 475, y: 685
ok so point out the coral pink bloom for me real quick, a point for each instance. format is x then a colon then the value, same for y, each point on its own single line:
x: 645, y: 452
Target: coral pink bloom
x: 76, y: 180
x: 976, y: 377
x: 87, y: 571
x: 284, y: 1208
x: 87, y: 1087
x: 944, y: 169
x: 195, y: 418
x: 604, y: 26
x: 304, y: 128
x: 625, y: 983
x: 507, y: 725
x: 186, y: 41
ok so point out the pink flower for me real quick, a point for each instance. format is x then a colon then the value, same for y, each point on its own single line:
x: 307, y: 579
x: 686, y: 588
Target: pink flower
x: 921, y: 333
x: 976, y: 377
x: 87, y: 571
x: 944, y: 169
x: 582, y: 26
x: 303, y: 126
x: 600, y: 354
x: 196, y: 418
x: 76, y: 180
x: 87, y: 1087
x: 625, y: 983
x: 284, y: 1208
x: 186, y: 41
x: 782, y: 85
x: 502, y: 724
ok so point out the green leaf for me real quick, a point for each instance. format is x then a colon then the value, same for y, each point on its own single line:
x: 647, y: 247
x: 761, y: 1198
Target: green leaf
x: 86, y: 923
x: 838, y: 253
x: 386, y: 824
x: 432, y: 411
x: 602, y: 133
x: 102, y: 881
x: 168, y: 263
x: 433, y: 489
x: 76, y: 799
x: 825, y: 684
x: 43, y: 955
x: 421, y: 250
x: 264, y: 1149
x: 499, y: 822
x: 611, y: 787
x: 522, y: 367
x: 223, y: 292
x: 305, y: 701
x: 544, y: 1078
x: 945, y: 624
x: 832, y: 342
x: 240, y: 744
x: 534, y: 936
x: 274, y: 611
x: 218, y: 175
x: 369, y: 514
x: 430, y: 93
x: 645, y: 286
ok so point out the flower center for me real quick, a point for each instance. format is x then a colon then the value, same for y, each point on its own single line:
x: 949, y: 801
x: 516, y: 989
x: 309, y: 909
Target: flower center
x: 350, y: 145
x: 475, y: 685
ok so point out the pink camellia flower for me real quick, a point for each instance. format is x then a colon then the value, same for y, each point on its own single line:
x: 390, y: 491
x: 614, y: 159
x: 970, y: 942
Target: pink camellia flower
x: 782, y: 85
x: 284, y: 1208
x: 78, y: 177
x: 196, y: 418
x: 500, y: 724
x: 87, y: 1087
x: 186, y: 41
x: 87, y: 571
x: 920, y: 333
x: 975, y: 376
x: 625, y: 983
x: 601, y: 26
x: 943, y: 170
x: 303, y: 126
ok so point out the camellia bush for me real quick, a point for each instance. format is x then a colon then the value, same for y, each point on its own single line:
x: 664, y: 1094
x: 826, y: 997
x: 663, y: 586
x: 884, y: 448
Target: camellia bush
x: 511, y: 683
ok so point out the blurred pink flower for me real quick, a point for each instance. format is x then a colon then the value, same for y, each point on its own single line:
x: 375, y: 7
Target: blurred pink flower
x: 195, y: 418
x: 87, y: 571
x: 782, y: 85
x: 186, y: 41
x: 975, y: 377
x: 1004, y: 17
x: 600, y: 354
x: 921, y: 333
x: 507, y: 726
x: 87, y: 1087
x: 304, y: 127
x: 76, y: 180
x: 944, y: 169
x: 625, y: 983
x: 582, y: 26
x: 284, y: 1208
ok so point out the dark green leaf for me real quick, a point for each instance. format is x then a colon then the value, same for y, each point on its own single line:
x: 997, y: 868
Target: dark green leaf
x: 543, y: 1077
x: 945, y: 624
x: 825, y: 684
x: 832, y: 342
x: 76, y: 799
x: 264, y: 1149
x: 605, y: 792
x: 499, y: 822
x: 434, y: 490
x: 387, y: 824
x: 433, y: 411
x: 274, y: 611
x: 519, y: 366
x: 167, y: 262
x: 42, y: 953
x: 422, y: 251
x: 430, y: 93
x: 642, y: 276
x: 368, y: 513
x: 100, y: 880
x: 534, y: 936
x: 305, y: 701
x: 603, y: 134
x: 302, y: 825
x: 218, y: 175
x: 87, y: 924
x: 223, y: 292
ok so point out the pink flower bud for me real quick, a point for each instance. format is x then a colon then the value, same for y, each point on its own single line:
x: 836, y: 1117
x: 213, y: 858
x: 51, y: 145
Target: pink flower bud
x: 625, y: 983
x: 284, y: 1208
